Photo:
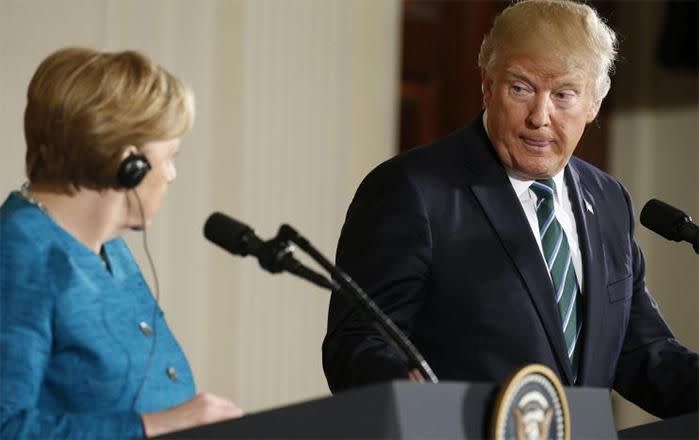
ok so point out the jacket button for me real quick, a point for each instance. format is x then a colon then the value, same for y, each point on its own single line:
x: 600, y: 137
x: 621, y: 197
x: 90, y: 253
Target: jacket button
x: 145, y: 328
x: 172, y: 373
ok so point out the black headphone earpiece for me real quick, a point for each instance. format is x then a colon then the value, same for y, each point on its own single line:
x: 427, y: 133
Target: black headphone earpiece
x: 132, y: 170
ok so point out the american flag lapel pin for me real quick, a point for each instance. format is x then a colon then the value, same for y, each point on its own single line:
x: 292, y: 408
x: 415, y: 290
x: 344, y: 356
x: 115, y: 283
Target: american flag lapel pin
x: 589, y: 207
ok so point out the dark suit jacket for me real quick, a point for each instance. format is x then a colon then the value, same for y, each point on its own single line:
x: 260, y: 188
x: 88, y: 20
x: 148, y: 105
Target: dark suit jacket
x: 438, y: 238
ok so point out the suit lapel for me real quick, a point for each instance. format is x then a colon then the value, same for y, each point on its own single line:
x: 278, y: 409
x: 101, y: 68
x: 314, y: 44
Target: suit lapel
x: 587, y: 220
x: 496, y: 196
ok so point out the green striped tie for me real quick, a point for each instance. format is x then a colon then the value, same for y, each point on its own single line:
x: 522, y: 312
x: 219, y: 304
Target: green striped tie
x: 560, y: 265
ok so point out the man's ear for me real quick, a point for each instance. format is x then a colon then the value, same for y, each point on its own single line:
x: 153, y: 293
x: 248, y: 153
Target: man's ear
x: 486, y: 87
x: 593, y: 110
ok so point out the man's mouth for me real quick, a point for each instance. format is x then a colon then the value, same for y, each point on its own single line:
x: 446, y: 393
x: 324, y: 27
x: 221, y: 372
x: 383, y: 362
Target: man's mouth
x: 536, y: 142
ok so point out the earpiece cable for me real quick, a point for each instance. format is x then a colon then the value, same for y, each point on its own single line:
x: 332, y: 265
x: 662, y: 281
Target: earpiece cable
x: 157, y: 301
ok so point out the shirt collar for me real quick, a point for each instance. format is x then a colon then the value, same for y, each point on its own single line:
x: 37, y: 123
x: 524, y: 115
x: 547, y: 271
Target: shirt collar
x: 521, y: 186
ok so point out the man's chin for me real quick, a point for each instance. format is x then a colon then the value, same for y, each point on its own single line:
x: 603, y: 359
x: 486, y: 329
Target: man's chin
x: 535, y: 171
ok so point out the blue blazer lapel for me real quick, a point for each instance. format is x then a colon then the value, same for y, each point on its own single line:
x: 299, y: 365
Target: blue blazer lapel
x: 495, y: 194
x: 587, y: 220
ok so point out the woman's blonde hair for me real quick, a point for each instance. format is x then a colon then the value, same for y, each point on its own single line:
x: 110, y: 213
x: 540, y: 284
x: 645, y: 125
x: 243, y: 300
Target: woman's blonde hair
x: 84, y: 107
x: 570, y: 32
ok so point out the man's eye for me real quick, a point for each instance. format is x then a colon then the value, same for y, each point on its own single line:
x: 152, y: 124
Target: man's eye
x: 565, y: 96
x: 519, y: 90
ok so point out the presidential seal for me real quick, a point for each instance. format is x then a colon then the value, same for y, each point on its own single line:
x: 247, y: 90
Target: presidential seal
x: 532, y: 405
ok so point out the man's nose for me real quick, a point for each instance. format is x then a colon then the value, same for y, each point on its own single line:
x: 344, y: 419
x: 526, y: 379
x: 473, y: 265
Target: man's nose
x: 540, y: 112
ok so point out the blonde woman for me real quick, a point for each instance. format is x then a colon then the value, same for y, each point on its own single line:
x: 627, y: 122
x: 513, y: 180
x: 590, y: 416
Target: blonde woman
x: 85, y: 349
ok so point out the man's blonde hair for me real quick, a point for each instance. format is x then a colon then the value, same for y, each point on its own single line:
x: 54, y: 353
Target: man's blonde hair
x: 571, y: 32
x: 84, y: 107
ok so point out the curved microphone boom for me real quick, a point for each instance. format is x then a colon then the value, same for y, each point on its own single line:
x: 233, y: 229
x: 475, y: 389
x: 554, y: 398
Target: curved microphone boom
x: 351, y: 289
x: 670, y: 222
x: 275, y: 255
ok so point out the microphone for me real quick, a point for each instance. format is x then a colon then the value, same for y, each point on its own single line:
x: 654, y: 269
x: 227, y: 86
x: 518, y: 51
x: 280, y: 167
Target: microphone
x: 670, y: 222
x: 232, y: 235
x: 275, y: 255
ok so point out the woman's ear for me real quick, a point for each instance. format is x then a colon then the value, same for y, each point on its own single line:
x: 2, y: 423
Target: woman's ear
x: 128, y: 151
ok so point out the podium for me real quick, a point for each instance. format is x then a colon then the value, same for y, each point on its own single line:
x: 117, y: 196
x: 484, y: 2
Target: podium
x: 403, y: 410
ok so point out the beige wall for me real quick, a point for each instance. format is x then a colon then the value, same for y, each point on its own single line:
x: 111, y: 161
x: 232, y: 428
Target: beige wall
x: 295, y: 104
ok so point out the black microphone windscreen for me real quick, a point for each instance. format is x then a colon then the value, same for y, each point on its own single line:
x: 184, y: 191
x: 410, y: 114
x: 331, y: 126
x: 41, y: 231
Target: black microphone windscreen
x: 228, y: 233
x: 663, y: 219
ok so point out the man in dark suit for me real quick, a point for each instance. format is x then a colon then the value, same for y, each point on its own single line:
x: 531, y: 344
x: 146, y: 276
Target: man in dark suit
x: 494, y: 247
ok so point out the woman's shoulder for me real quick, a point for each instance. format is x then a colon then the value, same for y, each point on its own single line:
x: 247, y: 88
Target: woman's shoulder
x: 27, y: 242
x: 24, y: 282
x: 23, y: 226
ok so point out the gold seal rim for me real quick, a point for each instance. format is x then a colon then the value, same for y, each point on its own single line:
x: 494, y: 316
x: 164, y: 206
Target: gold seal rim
x: 509, y: 388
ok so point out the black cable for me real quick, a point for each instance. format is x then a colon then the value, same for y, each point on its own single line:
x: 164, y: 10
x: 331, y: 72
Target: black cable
x: 155, y: 307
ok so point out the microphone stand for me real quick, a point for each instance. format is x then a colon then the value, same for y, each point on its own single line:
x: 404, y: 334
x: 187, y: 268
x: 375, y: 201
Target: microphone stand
x: 692, y: 233
x: 276, y: 255
x: 342, y: 282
